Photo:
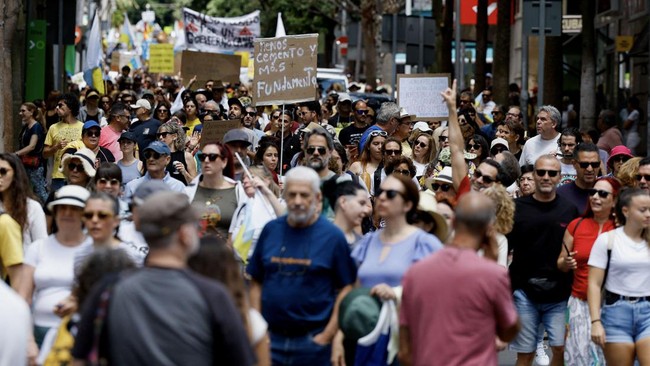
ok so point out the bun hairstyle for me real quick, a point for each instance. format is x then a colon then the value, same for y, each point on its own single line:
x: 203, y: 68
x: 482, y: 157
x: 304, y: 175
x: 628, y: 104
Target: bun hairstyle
x: 333, y: 189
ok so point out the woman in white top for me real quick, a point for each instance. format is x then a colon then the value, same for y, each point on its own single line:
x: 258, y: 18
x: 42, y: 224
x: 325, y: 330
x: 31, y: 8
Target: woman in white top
x: 622, y: 327
x: 49, y: 262
x: 16, y: 200
x: 424, y: 152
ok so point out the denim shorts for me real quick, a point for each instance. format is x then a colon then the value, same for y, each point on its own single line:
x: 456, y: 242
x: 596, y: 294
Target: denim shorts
x: 626, y: 322
x: 531, y: 315
x: 300, y: 350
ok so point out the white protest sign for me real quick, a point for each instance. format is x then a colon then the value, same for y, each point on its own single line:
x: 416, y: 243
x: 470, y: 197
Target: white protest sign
x: 209, y: 34
x: 420, y: 95
x: 285, y: 69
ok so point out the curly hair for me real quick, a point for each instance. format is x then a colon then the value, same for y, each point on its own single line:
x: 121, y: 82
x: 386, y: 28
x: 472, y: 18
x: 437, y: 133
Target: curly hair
x: 14, y: 198
x: 93, y: 268
x: 505, y: 208
x: 627, y: 172
x: 180, y: 140
x: 401, y: 160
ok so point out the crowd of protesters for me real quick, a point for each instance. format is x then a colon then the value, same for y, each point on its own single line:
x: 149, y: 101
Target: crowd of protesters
x: 327, y: 232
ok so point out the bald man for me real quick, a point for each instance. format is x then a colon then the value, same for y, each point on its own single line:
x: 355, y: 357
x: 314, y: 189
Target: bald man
x: 427, y: 320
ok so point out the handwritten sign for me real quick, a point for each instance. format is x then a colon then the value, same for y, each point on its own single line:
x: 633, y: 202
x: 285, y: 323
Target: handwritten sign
x: 215, y: 130
x: 210, y: 34
x: 161, y: 58
x: 420, y: 95
x: 285, y: 69
x: 208, y: 66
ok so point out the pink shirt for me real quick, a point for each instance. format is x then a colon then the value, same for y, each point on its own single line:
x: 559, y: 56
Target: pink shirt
x: 453, y: 302
x: 108, y: 140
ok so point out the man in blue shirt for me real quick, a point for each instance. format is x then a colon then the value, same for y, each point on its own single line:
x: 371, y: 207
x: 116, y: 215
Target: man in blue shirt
x: 301, y: 269
x: 157, y: 155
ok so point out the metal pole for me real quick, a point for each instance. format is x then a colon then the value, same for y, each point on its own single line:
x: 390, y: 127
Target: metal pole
x: 541, y: 56
x: 357, y: 65
x: 459, y: 58
x: 524, y: 80
x: 394, y: 76
x: 59, y: 58
x: 421, y: 46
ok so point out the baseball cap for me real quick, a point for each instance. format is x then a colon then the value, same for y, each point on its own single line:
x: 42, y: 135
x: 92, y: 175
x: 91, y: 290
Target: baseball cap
x: 142, y: 103
x: 128, y: 135
x: 344, y: 97
x: 232, y: 101
x: 162, y: 213
x: 236, y: 135
x: 159, y: 147
x: 70, y: 195
x: 148, y: 188
x: 90, y: 124
x: 92, y: 94
x: 404, y: 114
x: 422, y: 126
x: 499, y: 141
x: 147, y: 92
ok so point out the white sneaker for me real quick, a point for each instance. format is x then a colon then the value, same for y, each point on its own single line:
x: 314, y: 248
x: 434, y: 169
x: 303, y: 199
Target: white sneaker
x: 541, y: 358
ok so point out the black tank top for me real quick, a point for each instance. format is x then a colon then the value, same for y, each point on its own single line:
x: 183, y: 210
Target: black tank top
x: 177, y: 156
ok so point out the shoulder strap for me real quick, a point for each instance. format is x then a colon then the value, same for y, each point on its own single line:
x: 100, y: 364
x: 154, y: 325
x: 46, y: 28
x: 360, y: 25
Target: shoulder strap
x: 610, y: 245
x: 575, y: 230
x: 377, y: 177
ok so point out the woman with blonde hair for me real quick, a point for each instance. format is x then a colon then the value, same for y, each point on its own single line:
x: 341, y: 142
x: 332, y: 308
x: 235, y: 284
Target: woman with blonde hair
x: 504, y: 218
x: 628, y: 171
x: 182, y: 165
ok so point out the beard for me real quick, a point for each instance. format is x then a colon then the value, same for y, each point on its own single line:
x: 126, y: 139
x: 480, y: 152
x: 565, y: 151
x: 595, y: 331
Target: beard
x: 300, y: 215
x: 318, y: 163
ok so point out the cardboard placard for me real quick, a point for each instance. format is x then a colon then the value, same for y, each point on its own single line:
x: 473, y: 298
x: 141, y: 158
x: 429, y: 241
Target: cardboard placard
x: 420, y: 95
x: 161, y: 58
x: 215, y: 130
x: 207, y: 66
x: 121, y: 58
x: 285, y: 69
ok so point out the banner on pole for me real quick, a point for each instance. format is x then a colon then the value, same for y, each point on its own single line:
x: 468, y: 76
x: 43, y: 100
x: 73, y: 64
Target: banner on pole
x: 420, y: 95
x: 209, y: 34
x: 285, y: 69
x: 161, y: 58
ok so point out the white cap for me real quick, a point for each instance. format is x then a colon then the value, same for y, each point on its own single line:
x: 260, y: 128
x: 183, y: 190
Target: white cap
x: 422, y: 126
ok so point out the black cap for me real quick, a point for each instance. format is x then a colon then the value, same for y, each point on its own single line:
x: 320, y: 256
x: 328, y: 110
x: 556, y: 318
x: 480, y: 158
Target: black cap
x: 232, y: 101
x: 128, y: 135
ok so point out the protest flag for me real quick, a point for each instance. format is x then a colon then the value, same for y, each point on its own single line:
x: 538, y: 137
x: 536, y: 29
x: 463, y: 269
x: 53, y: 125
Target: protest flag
x: 92, y: 66
x: 279, y: 29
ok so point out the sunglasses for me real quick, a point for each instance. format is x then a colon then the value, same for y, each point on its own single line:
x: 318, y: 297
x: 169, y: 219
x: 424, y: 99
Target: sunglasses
x: 362, y: 112
x: 585, y: 165
x: 390, y: 193
x: 601, y: 193
x: 444, y: 187
x: 163, y: 134
x: 473, y: 146
x: 643, y: 176
x: 152, y: 155
x: 420, y: 144
x: 251, y: 114
x: 393, y: 152
x: 486, y: 178
x: 93, y: 133
x: 620, y: 159
x: 405, y: 172
x: 443, y: 138
x: 3, y: 172
x: 104, y: 181
x: 498, y: 149
x: 275, y: 117
x: 211, y: 156
x: 76, y: 167
x: 102, y: 215
x: 378, y: 133
x: 551, y: 173
x: 163, y: 111
x: 321, y: 150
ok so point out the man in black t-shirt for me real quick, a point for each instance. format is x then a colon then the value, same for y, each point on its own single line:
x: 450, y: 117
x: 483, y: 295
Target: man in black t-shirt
x: 350, y: 136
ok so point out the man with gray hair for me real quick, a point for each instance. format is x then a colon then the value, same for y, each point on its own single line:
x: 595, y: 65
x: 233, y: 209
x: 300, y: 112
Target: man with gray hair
x: 152, y: 305
x: 301, y: 268
x: 388, y: 118
x: 546, y: 141
x: 317, y: 146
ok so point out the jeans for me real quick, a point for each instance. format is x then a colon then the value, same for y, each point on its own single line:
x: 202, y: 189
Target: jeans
x: 552, y: 315
x: 297, y: 351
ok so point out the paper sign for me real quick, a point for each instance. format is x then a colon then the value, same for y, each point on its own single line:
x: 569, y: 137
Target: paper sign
x: 121, y: 58
x: 285, y: 69
x: 207, y: 66
x: 161, y: 58
x: 420, y: 95
x: 215, y: 130
x: 210, y: 34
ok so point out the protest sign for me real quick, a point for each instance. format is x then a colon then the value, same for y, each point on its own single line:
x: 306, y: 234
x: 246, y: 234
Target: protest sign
x: 207, y: 66
x: 215, y: 130
x: 420, y: 95
x: 285, y: 69
x: 209, y: 34
x: 121, y: 58
x: 161, y: 58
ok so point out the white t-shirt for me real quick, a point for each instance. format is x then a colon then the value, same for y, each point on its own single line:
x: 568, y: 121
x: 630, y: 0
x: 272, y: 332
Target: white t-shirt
x: 135, y: 252
x: 257, y: 325
x: 53, y: 276
x: 629, y: 266
x: 36, y: 225
x: 536, y: 147
x: 16, y: 327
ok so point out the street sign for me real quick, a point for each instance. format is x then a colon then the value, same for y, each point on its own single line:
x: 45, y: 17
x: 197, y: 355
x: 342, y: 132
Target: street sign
x: 553, y: 18
x: 469, y: 9
x: 35, y: 72
x: 572, y: 24
x: 624, y: 43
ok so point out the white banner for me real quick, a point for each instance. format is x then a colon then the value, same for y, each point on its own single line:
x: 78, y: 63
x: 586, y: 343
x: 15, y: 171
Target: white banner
x: 208, y: 34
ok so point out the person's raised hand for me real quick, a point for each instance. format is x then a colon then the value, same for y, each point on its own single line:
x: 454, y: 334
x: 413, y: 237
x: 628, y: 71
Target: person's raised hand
x: 449, y: 95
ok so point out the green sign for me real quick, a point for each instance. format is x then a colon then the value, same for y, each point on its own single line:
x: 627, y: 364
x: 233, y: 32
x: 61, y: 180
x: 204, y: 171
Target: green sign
x: 35, y: 73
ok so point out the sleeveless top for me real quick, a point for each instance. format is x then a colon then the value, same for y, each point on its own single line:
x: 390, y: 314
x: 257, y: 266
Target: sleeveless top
x: 177, y: 156
x: 129, y: 172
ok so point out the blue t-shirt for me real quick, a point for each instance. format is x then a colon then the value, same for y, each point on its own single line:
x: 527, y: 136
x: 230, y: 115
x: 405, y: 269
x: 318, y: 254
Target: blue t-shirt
x: 402, y: 255
x: 301, y: 270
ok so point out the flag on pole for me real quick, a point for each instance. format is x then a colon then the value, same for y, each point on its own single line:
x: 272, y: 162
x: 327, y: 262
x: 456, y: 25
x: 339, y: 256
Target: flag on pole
x: 279, y: 29
x: 127, y: 36
x: 94, y: 56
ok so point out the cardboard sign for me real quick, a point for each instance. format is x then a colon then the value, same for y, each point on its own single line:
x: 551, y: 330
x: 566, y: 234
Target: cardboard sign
x: 420, y: 95
x: 210, y: 34
x: 121, y: 58
x: 161, y: 58
x: 285, y: 69
x: 207, y: 66
x: 215, y: 130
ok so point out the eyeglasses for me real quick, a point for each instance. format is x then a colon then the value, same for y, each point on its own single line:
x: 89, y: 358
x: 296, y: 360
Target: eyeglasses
x: 251, y: 114
x: 514, y: 115
x: 93, y: 133
x: 362, y: 112
x: 551, y: 173
x: 393, y: 152
x: 601, y: 193
x: 210, y: 156
x: 443, y: 138
x: 378, y: 133
x: 152, y: 155
x: 163, y: 134
x: 105, y: 102
x: 473, y: 146
x: 102, y: 215
x: 620, y: 159
x: 443, y: 187
x: 76, y: 167
x: 104, y: 181
x: 642, y: 176
x: 390, y: 193
x: 586, y: 164
x: 486, y: 178
x: 312, y: 149
x: 4, y: 171
x: 420, y: 144
x: 405, y: 172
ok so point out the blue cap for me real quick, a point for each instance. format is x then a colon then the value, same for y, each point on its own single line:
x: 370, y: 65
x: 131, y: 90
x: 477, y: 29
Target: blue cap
x: 159, y: 147
x: 91, y: 124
